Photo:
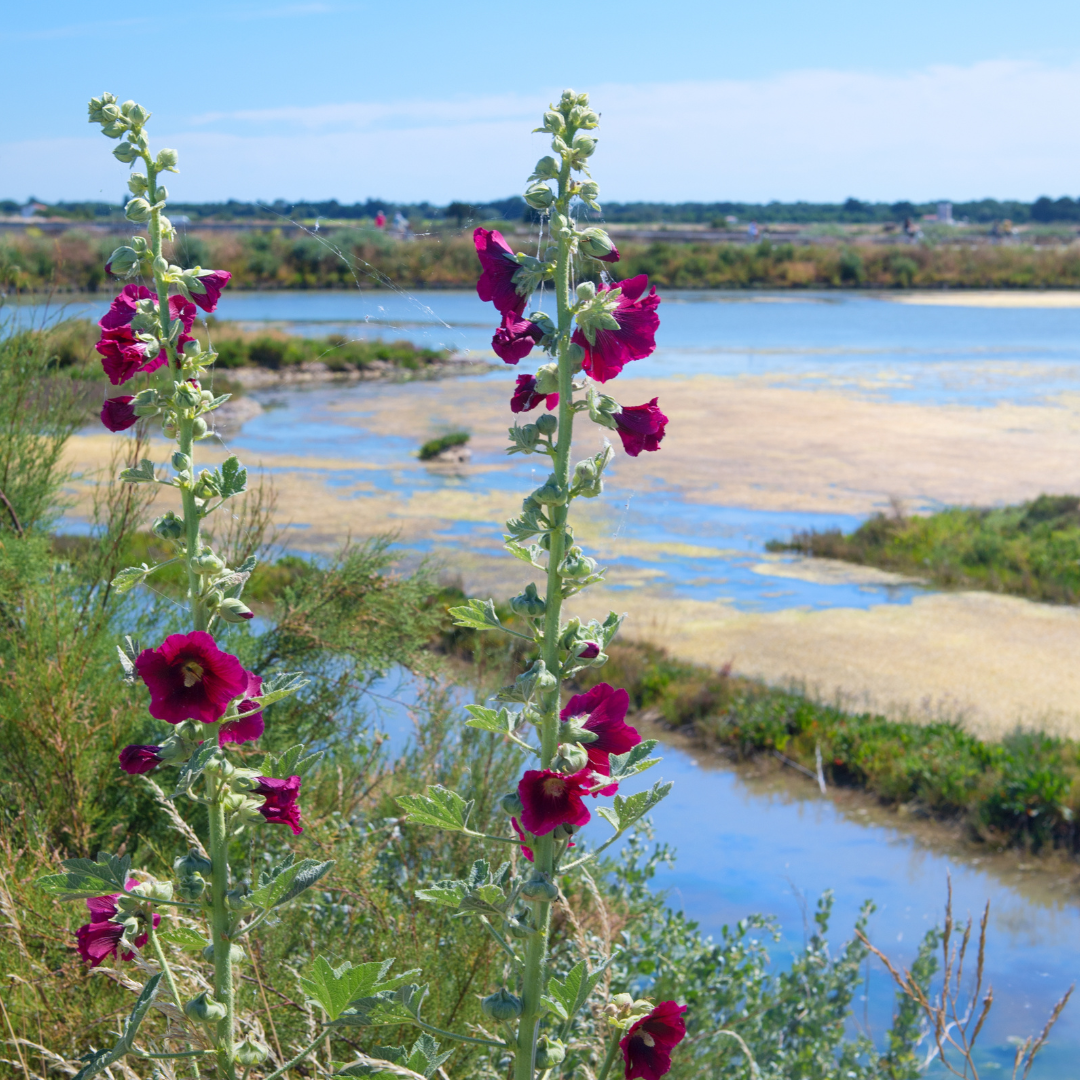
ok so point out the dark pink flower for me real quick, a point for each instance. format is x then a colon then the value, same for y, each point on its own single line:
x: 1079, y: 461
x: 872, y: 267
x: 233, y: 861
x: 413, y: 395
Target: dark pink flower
x: 117, y: 414
x: 280, y: 807
x: 603, y: 712
x: 139, y: 759
x: 549, y: 799
x: 641, y: 427
x: 589, y: 651
x: 179, y: 308
x: 526, y: 398
x: 496, y: 283
x: 248, y: 726
x: 100, y: 938
x: 190, y: 678
x: 634, y: 340
x: 646, y: 1047
x: 214, y: 282
x: 611, y: 257
x: 515, y: 338
x: 122, y: 355
x: 122, y: 309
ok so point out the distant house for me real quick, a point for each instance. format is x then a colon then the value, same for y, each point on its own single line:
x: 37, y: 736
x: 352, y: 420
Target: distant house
x: 944, y: 213
x: 32, y: 208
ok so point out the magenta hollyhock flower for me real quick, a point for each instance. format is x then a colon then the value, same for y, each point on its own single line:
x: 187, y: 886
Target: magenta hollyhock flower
x: 122, y: 309
x: 190, y: 678
x: 122, y: 355
x: 214, y: 282
x: 99, y: 939
x: 496, y: 283
x: 515, y: 338
x: 549, y: 799
x: 611, y: 257
x: 280, y: 807
x: 603, y: 712
x: 646, y: 1047
x: 589, y: 651
x: 139, y: 759
x: 526, y: 398
x: 634, y: 340
x: 117, y: 414
x: 641, y: 427
x: 248, y: 726
x: 181, y: 309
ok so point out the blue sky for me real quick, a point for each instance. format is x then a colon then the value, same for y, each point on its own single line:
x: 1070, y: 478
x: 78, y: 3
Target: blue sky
x: 771, y: 99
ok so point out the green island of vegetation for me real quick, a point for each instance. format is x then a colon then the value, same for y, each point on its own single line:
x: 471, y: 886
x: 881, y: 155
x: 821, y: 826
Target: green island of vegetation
x: 1030, y: 550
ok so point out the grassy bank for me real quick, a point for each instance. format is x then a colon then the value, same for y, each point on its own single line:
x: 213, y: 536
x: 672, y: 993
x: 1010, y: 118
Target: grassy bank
x: 75, y: 261
x: 1030, y: 550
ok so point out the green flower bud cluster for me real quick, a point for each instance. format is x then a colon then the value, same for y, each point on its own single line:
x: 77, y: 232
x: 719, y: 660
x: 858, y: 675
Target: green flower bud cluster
x: 623, y: 1011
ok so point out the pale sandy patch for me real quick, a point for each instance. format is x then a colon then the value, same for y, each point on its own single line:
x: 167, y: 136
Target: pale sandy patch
x: 991, y: 298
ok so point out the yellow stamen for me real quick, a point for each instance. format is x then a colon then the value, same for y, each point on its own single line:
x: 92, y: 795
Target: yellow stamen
x: 554, y: 787
x: 646, y: 1038
x: 193, y: 673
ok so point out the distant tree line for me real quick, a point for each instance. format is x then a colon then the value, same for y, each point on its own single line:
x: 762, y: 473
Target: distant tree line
x: 1043, y: 210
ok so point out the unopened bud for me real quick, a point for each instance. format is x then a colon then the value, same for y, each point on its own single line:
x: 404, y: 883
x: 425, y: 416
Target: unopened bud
x: 586, y: 291
x: 554, y: 122
x: 547, y: 424
x: 204, y: 1009
x: 161, y: 890
x: 564, y: 831
x: 137, y: 209
x: 125, y: 152
x: 597, y: 244
x: 192, y: 863
x: 570, y: 758
x: 511, y: 804
x: 234, y: 611
x: 191, y: 887
x: 550, y: 493
x: 199, y: 429
x: 549, y: 1052
x: 528, y: 603
x: 138, y: 115
x: 547, y: 168
x: 540, y: 887
x: 168, y: 526
x: 180, y: 461
x: 207, y: 563
x: 539, y: 196
x: 251, y: 1052
x: 547, y: 379
x: 122, y: 262
x: 502, y: 1005
x: 236, y: 954
x: 114, y: 128
x: 137, y: 183
x: 166, y: 159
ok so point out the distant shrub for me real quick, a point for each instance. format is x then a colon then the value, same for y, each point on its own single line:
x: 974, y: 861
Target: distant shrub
x: 433, y: 447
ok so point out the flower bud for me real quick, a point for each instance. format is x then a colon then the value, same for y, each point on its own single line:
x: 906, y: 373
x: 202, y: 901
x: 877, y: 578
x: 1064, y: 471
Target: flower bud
x: 511, y: 804
x: 250, y: 1052
x: 584, y: 144
x: 597, y: 244
x: 583, y: 117
x: 547, y: 379
x: 564, y: 831
x: 540, y: 887
x: 125, y: 152
x: 570, y: 758
x: 539, y: 196
x: 528, y: 603
x: 137, y: 209
x: 186, y: 395
x: 168, y: 526
x: 503, y: 1005
x: 237, y: 898
x: 554, y: 122
x: 161, y: 267
x: 161, y: 890
x: 192, y: 863
x: 550, y: 494
x: 191, y: 887
x: 207, y: 563
x: 123, y: 262
x: 234, y: 611
x: 547, y: 168
x: 137, y: 114
x: 168, y: 428
x: 236, y: 954
x: 180, y: 461
x: 95, y: 106
x: 114, y: 128
x: 586, y: 291
x: 589, y: 193
x: 204, y: 1009
x: 137, y: 183
x: 549, y: 1052
x: 199, y: 428
x: 166, y: 159
x: 576, y: 565
x: 547, y: 424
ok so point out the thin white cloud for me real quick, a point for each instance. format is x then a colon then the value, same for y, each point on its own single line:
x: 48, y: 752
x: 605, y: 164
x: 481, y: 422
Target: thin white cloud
x: 1002, y: 128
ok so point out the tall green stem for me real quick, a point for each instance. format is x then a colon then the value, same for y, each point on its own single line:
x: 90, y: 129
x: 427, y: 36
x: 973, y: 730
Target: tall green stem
x: 535, y: 975
x: 185, y: 438
x: 223, y: 973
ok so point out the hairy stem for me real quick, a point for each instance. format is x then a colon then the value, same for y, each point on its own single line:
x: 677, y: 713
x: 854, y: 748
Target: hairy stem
x: 609, y: 1057
x: 185, y: 440
x: 535, y: 974
x: 223, y: 973
x: 159, y: 955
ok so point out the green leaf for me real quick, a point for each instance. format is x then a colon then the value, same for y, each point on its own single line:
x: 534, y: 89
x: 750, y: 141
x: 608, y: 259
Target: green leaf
x: 502, y: 721
x: 231, y: 478
x: 291, y: 762
x: 440, y: 808
x: 568, y: 996
x: 192, y: 769
x: 477, y: 614
x: 289, y: 883
x: 219, y: 400
x: 633, y: 761
x: 185, y: 937
x: 625, y: 811
x: 425, y: 1057
x: 611, y: 626
x: 143, y: 473
x: 530, y: 554
x: 102, y: 1059
x: 335, y: 988
x: 128, y: 653
x: 87, y: 877
x: 445, y: 893
x: 129, y: 577
x: 280, y: 686
x: 400, y: 1006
